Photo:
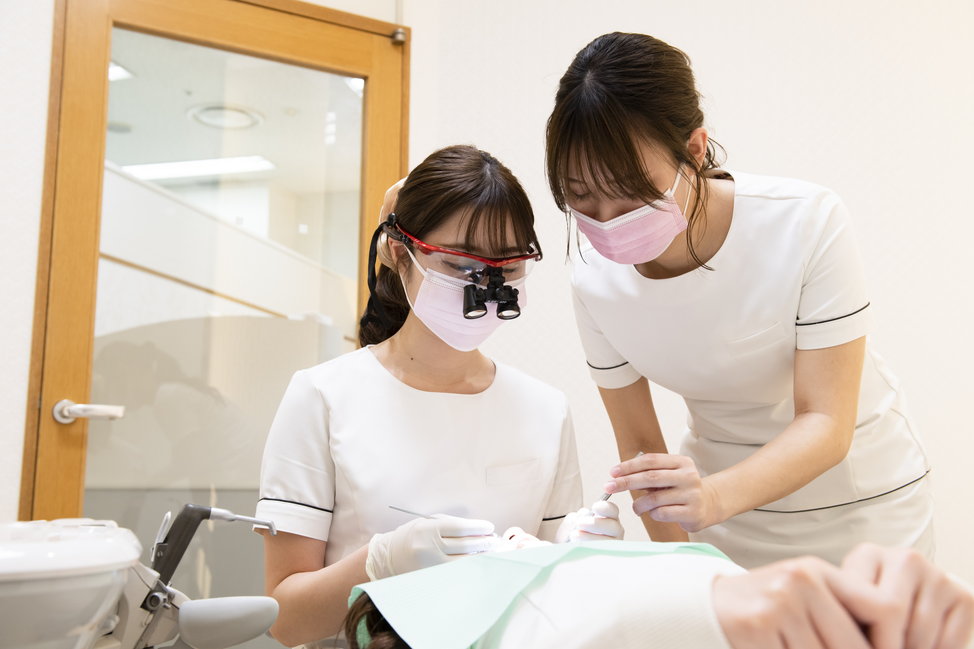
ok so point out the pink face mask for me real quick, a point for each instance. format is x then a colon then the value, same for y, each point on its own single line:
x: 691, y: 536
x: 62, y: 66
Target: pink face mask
x: 637, y: 236
x: 439, y: 305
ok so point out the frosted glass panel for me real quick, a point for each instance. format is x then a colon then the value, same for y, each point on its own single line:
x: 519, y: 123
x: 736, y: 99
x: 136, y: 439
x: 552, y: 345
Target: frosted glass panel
x: 228, y: 260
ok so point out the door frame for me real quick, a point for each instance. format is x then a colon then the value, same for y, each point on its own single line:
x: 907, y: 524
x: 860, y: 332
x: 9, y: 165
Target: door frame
x: 52, y: 479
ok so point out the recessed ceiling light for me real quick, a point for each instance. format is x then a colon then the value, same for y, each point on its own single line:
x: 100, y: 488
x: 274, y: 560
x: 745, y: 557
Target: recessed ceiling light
x: 117, y: 72
x: 225, y: 117
x: 199, y: 168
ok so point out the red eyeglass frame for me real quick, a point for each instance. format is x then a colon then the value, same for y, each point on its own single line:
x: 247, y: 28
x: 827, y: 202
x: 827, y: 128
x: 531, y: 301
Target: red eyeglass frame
x: 495, y: 262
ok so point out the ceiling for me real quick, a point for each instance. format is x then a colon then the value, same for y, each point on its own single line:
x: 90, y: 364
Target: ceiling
x: 310, y: 124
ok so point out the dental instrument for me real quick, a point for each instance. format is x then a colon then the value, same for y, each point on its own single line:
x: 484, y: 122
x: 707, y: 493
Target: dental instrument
x: 606, y: 496
x: 406, y: 511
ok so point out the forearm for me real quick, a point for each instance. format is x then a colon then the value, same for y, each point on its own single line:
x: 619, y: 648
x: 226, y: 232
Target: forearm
x: 313, y: 604
x: 812, y: 444
x: 663, y: 532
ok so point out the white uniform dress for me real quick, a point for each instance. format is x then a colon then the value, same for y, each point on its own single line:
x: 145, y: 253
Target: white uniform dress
x: 788, y: 276
x: 349, y: 440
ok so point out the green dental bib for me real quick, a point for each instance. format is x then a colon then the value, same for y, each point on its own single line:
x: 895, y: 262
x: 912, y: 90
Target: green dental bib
x: 450, y: 606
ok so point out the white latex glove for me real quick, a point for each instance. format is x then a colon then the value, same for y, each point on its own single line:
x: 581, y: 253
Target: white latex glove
x: 600, y: 523
x: 425, y: 542
x: 515, y: 538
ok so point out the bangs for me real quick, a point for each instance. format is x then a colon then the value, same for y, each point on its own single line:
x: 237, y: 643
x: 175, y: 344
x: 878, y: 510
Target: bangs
x: 489, y: 220
x: 495, y: 214
x: 592, y: 141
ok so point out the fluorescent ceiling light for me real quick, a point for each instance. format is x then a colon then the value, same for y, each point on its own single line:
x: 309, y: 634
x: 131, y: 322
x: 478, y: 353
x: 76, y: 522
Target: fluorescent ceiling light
x: 197, y: 168
x: 117, y: 72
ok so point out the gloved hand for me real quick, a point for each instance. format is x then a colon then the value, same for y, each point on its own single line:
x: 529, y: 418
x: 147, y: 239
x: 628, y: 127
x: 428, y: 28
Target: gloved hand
x: 600, y: 523
x: 515, y: 538
x: 425, y: 542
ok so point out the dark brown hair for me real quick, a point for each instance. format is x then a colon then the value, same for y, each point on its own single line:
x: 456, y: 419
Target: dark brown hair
x: 620, y: 91
x: 456, y: 180
x: 381, y: 634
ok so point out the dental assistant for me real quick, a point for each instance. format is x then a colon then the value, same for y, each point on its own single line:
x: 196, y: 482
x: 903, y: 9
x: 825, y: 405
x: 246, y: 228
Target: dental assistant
x: 418, y: 418
x: 745, y: 295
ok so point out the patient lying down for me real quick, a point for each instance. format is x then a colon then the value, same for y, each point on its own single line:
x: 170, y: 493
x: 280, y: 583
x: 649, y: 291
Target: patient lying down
x: 645, y: 595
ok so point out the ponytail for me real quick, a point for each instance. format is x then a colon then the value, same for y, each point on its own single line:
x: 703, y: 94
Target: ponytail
x: 387, y: 308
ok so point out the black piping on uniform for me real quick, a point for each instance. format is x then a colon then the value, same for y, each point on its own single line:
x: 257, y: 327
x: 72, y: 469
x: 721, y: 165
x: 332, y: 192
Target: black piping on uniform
x: 293, y: 502
x: 805, y: 324
x: 595, y: 367
x: 553, y: 518
x: 851, y: 502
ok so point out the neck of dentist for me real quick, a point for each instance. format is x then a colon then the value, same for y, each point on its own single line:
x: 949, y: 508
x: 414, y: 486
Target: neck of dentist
x: 420, y: 359
x: 708, y: 233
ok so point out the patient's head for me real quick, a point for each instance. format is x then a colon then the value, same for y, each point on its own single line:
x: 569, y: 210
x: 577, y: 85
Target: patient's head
x: 381, y: 634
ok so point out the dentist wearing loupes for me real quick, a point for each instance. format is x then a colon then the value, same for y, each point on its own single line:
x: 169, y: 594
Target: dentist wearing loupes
x: 418, y: 418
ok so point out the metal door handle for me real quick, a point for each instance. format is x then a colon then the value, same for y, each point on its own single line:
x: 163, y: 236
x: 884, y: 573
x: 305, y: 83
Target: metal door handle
x: 66, y: 411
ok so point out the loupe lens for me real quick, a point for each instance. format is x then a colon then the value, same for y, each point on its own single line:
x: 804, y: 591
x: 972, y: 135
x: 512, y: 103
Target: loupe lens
x: 473, y: 302
x: 508, y: 310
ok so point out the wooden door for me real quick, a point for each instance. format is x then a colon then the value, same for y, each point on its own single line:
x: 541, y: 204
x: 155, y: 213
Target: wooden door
x: 295, y: 36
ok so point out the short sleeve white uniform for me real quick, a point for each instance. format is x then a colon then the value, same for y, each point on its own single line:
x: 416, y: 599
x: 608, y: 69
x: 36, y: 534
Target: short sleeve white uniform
x: 349, y: 439
x: 788, y: 276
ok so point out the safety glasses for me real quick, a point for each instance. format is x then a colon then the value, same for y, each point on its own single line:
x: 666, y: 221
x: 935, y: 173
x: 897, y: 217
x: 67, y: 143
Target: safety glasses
x: 465, y: 266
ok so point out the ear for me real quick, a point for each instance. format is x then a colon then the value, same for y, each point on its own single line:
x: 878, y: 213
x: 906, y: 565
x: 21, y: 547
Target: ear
x: 697, y: 145
x: 390, y: 252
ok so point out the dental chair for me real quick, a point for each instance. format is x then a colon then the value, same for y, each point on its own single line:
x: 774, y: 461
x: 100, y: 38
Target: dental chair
x: 78, y: 584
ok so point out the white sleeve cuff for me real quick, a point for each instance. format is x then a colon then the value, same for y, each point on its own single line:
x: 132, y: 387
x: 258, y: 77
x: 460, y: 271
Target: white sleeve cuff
x: 612, y: 378
x: 835, y: 331
x: 296, y: 518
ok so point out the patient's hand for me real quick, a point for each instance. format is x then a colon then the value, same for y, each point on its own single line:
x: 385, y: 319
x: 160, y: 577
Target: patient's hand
x: 912, y: 604
x: 785, y: 604
x: 900, y: 600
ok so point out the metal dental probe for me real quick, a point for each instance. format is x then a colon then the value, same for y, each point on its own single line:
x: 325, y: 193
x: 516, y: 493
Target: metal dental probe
x: 406, y: 511
x: 607, y: 496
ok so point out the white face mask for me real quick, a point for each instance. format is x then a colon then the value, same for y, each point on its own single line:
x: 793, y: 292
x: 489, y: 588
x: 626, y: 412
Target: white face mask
x: 439, y: 306
x: 637, y: 236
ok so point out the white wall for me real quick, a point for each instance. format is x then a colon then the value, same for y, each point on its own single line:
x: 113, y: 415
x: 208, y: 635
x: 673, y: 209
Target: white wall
x: 869, y: 98
x: 25, y: 59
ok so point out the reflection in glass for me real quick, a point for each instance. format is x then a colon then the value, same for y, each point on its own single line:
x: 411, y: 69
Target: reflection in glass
x: 229, y: 259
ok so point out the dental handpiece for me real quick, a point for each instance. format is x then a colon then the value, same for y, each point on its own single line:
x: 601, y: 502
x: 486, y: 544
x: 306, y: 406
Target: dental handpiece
x: 606, y: 496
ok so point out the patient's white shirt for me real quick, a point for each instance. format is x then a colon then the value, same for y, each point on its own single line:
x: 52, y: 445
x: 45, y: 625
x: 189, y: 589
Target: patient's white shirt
x: 658, y: 601
x: 349, y: 440
x: 788, y: 276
